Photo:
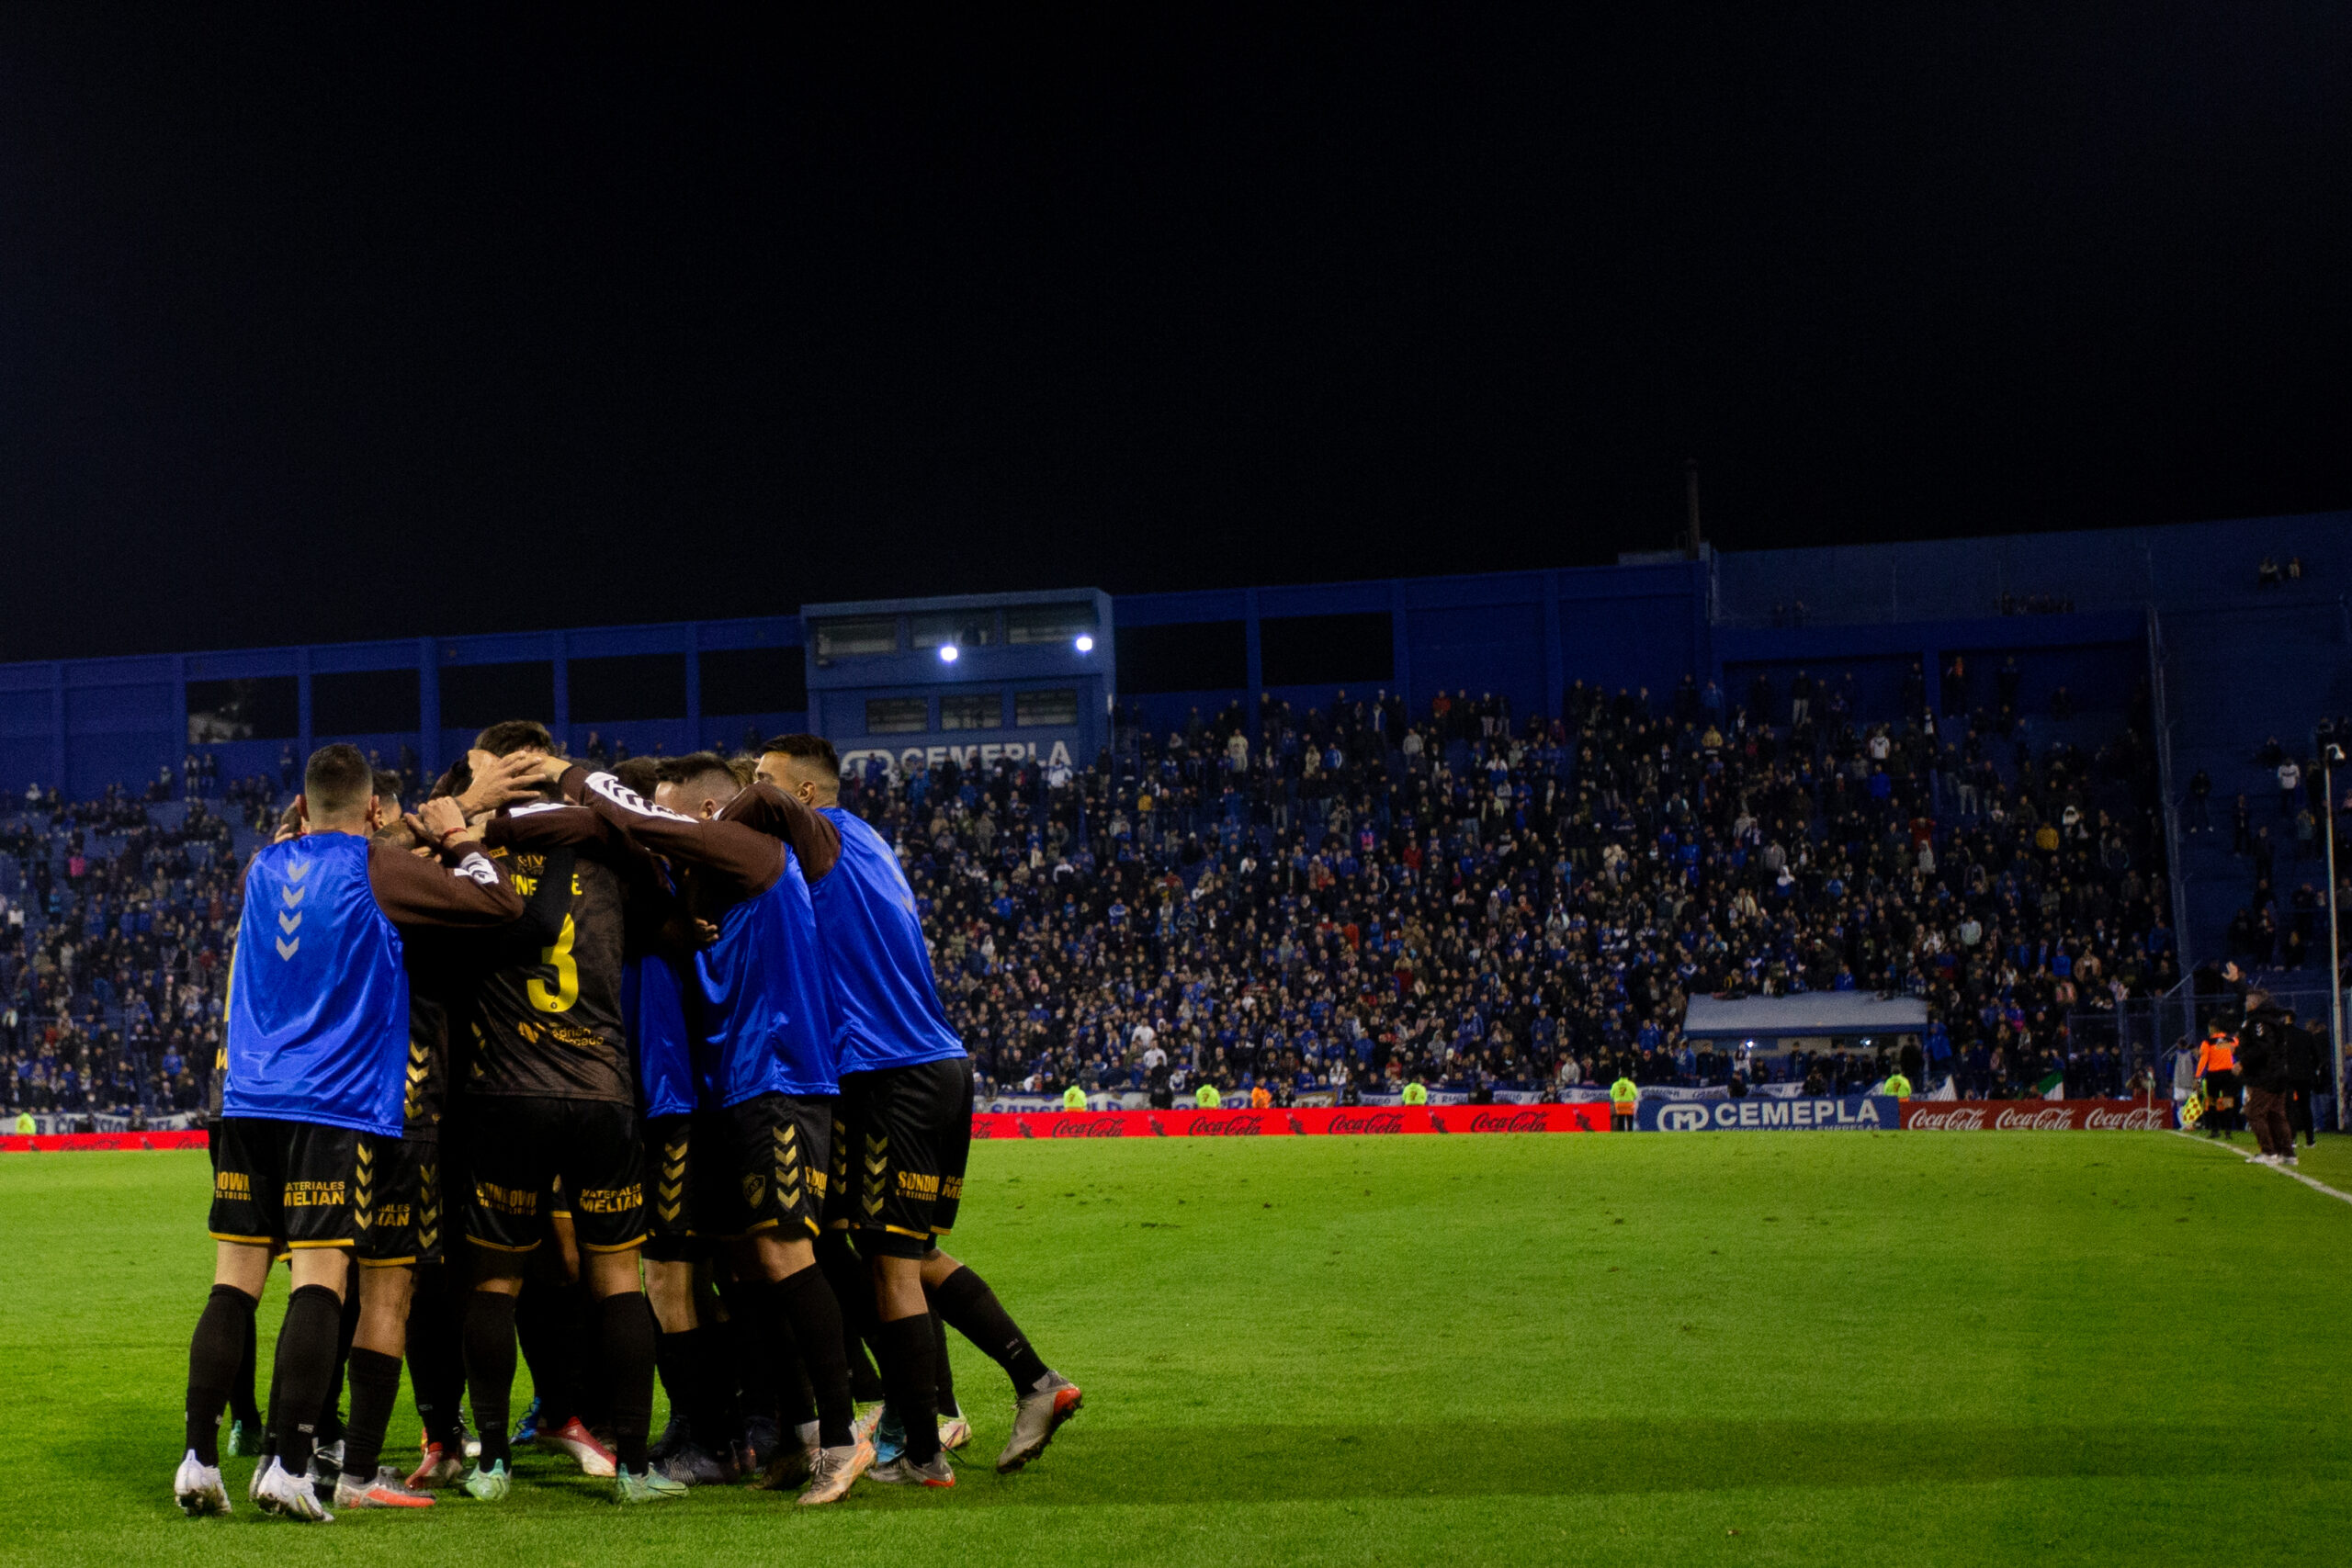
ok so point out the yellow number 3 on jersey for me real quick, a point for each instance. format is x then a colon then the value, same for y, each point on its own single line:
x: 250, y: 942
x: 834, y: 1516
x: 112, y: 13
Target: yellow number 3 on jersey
x: 567, y: 976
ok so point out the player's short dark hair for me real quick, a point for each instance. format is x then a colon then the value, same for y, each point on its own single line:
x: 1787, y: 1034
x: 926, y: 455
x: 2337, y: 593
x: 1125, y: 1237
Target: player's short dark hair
x: 696, y: 766
x: 638, y: 774
x: 807, y: 749
x: 337, y: 779
x: 387, y: 786
x: 510, y: 736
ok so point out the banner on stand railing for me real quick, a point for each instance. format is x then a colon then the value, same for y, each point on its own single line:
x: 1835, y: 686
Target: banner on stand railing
x: 1296, y: 1121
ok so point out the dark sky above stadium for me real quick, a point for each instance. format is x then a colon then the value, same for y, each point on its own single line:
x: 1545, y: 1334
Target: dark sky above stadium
x: 326, y: 324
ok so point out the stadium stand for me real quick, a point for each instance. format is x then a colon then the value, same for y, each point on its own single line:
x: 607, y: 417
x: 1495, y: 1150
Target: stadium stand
x: 1486, y: 833
x: 1479, y: 903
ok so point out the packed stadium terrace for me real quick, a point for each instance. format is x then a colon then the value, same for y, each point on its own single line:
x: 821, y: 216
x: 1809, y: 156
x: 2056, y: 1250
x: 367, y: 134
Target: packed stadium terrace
x: 114, y: 954
x: 1367, y: 897
x: 1470, y: 902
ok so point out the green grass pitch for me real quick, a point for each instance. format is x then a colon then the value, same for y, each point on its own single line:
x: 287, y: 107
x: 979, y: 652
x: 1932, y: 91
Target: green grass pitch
x: 1765, y: 1348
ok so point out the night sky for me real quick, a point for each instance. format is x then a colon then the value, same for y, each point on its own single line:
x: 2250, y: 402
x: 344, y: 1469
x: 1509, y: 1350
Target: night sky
x: 315, y: 326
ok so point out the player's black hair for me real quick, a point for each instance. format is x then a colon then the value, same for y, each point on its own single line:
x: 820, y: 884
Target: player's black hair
x: 387, y: 786
x: 337, y: 779
x: 696, y: 766
x: 510, y: 736
x: 638, y: 774
x: 808, y: 749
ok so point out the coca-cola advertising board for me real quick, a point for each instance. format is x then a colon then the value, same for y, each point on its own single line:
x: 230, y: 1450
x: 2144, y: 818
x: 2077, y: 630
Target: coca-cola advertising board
x: 2037, y: 1115
x: 1343, y: 1121
x: 51, y: 1143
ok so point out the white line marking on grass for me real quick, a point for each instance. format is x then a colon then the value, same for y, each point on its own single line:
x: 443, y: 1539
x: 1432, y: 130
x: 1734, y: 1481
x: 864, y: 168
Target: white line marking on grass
x: 2299, y: 1175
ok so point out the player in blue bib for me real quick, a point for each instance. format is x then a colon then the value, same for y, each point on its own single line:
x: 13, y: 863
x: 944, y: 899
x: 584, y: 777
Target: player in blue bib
x: 763, y: 1049
x: 906, y: 1132
x: 316, y: 1045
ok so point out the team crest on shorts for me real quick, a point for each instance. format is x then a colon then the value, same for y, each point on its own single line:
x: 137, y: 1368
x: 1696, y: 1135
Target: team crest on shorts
x: 753, y: 1186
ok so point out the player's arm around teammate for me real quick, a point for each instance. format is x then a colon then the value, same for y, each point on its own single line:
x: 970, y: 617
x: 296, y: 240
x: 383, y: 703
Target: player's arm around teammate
x: 551, y: 1098
x: 315, y: 1037
x: 907, y: 1098
x: 767, y: 1035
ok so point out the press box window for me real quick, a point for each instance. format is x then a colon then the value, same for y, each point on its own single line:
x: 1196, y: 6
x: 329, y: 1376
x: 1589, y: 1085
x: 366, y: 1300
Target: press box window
x: 855, y: 636
x: 1048, y: 623
x: 971, y: 710
x: 965, y: 629
x: 1035, y: 710
x: 897, y: 716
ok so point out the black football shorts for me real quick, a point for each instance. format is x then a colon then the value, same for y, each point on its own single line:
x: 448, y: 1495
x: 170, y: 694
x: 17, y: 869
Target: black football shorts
x: 283, y: 1184
x: 909, y: 1131
x: 762, y: 1165
x: 397, y: 1202
x: 522, y: 1146
x: 670, y: 1211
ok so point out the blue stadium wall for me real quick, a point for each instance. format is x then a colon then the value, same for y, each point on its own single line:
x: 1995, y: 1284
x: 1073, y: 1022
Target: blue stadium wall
x: 2239, y: 661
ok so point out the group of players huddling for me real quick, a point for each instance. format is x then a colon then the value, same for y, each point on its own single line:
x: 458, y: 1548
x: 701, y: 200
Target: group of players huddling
x: 550, y: 991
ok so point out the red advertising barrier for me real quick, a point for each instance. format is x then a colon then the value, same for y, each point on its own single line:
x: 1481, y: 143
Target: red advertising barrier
x: 1298, y: 1121
x: 2037, y: 1115
x: 14, y: 1145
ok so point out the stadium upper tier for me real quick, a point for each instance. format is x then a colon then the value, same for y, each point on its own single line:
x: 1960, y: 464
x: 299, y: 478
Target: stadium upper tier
x: 2240, y: 628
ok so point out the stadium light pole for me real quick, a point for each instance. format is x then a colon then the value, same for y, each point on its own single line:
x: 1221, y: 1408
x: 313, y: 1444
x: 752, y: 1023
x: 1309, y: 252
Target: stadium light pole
x: 2331, y: 754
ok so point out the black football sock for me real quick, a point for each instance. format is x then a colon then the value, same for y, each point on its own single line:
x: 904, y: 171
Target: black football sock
x: 593, y: 1374
x: 625, y: 1345
x: 796, y: 1398
x: 905, y: 1346
x: 686, y: 1365
x: 331, y: 1408
x: 436, y: 1357
x: 965, y: 1300
x: 226, y: 1322
x: 305, y: 1361
x: 241, y: 1392
x: 803, y: 1307
x: 865, y: 1379
x: 269, y: 1424
x: 716, y: 1414
x: 854, y: 1290
x: 947, y: 1405
x: 750, y: 1350
x: 490, y: 1367
x: 546, y: 1327
x: 374, y: 1388
x: 677, y: 1367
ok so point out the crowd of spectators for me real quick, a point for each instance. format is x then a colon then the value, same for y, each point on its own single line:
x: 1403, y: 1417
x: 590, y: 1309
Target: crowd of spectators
x: 1357, y: 899
x: 114, y: 945
x: 1469, y: 900
x: 2274, y: 929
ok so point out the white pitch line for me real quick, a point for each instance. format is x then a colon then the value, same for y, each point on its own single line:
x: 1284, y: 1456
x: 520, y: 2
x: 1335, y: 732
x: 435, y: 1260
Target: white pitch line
x: 2296, y: 1175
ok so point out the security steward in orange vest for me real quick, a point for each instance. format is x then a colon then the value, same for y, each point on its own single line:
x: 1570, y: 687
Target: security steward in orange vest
x: 2217, y: 1069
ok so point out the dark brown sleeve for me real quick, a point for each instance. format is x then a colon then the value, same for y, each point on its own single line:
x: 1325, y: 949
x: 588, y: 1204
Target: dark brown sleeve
x: 814, y: 839
x: 545, y: 827
x: 745, y: 859
x: 463, y: 887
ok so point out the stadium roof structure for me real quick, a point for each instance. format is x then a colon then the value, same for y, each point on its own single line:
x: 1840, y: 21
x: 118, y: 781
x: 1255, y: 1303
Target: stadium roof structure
x: 1811, y: 1013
